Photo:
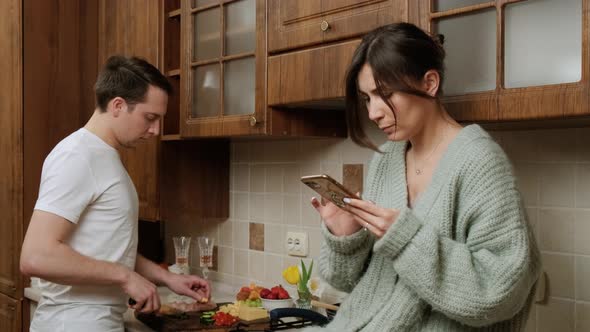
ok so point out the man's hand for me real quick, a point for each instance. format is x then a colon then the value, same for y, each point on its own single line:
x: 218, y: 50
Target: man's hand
x: 189, y: 285
x: 143, y: 293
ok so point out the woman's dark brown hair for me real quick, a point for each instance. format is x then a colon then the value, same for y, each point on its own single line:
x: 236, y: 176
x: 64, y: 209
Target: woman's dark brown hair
x: 399, y: 55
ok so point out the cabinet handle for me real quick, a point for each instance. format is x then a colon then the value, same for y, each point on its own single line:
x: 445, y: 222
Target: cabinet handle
x: 253, y: 121
x: 325, y: 26
x: 11, y: 308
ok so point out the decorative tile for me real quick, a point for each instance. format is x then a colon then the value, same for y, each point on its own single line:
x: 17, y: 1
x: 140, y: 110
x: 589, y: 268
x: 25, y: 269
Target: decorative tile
x: 257, y: 236
x: 352, y: 177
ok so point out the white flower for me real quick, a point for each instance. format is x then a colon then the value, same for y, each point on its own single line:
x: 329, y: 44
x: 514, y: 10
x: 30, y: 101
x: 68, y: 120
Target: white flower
x: 316, y: 286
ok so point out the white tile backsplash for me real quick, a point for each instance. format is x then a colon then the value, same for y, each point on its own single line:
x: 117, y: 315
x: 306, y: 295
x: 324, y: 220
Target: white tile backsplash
x: 553, y: 171
x: 556, y: 230
x: 560, y: 273
x: 557, y: 185
x: 583, y: 185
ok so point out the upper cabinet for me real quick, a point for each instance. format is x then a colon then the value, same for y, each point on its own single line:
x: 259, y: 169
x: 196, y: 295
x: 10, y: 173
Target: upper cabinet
x: 298, y: 23
x: 311, y: 43
x: 505, y: 62
x: 215, y: 54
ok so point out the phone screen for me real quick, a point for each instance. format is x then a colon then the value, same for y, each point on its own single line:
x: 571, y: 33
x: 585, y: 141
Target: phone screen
x: 328, y: 188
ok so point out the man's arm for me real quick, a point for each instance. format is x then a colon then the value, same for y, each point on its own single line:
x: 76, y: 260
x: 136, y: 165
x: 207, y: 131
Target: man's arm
x: 150, y: 270
x: 189, y: 285
x: 46, y: 255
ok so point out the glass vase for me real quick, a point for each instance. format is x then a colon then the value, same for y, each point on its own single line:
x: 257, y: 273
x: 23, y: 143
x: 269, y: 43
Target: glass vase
x: 304, y: 300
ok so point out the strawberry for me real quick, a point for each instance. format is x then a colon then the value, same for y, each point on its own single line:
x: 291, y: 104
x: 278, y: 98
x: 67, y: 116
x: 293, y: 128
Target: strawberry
x: 264, y: 293
x: 271, y: 296
x: 245, y: 289
x: 283, y: 294
x: 275, y: 290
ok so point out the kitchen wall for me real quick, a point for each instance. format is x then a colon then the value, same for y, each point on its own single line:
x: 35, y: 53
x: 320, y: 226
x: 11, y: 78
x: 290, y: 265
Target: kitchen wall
x: 267, y: 200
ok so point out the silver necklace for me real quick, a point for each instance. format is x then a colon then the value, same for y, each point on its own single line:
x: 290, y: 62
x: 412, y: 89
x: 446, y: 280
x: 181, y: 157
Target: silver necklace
x: 418, y: 170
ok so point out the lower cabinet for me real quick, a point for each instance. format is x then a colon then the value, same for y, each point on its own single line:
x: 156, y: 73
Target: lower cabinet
x: 10, y: 314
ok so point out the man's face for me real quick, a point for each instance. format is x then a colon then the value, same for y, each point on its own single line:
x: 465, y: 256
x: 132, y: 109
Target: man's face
x: 143, y: 120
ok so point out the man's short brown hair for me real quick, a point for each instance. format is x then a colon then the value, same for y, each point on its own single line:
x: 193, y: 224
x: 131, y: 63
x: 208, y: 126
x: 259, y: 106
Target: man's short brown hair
x: 128, y: 78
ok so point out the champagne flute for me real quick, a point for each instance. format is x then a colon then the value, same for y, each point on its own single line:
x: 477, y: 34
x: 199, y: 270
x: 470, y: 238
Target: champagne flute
x: 205, y: 254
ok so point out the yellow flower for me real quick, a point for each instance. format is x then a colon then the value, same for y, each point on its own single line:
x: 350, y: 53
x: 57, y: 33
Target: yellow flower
x: 291, y: 275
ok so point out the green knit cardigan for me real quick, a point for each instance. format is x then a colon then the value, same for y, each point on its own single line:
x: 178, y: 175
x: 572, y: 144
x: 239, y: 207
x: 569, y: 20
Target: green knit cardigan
x: 462, y: 259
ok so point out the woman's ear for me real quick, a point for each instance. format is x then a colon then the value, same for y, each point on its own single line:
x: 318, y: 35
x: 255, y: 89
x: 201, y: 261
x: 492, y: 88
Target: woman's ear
x: 430, y: 82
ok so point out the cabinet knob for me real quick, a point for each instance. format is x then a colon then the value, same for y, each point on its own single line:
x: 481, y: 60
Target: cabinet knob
x: 325, y: 26
x: 11, y: 308
x: 253, y: 121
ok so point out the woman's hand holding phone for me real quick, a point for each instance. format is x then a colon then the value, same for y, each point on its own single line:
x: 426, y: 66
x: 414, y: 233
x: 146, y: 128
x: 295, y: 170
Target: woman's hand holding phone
x: 338, y: 221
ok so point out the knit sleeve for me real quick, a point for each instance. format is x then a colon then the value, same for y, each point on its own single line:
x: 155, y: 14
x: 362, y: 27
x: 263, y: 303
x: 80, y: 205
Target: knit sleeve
x: 488, y: 276
x: 343, y: 258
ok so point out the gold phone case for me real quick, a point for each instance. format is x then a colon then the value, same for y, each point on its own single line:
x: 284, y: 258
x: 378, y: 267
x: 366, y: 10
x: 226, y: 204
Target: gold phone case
x: 328, y: 188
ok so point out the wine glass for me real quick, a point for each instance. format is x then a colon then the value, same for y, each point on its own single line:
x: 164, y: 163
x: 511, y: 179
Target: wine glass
x: 182, y: 246
x: 205, y: 254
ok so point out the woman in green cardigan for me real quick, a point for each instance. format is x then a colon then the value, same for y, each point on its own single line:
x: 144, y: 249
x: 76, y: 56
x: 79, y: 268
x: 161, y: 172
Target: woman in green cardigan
x: 440, y: 240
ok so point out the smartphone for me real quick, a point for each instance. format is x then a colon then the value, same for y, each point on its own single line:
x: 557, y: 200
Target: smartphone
x: 328, y: 188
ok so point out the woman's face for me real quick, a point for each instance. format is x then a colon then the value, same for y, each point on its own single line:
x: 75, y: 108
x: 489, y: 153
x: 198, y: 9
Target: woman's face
x: 410, y: 110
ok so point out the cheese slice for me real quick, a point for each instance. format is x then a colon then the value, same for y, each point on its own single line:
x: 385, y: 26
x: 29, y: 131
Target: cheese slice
x: 250, y: 313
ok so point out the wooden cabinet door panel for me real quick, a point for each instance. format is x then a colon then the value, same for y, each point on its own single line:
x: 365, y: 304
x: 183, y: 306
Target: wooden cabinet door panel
x: 310, y: 75
x: 11, y: 147
x: 131, y: 28
x: 294, y: 24
x: 10, y: 314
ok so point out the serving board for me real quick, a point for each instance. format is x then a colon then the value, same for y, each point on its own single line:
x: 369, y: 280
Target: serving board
x: 190, y: 321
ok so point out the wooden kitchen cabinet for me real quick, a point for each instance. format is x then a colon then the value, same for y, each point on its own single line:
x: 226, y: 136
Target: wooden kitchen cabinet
x: 131, y: 28
x: 215, y: 53
x: 10, y: 314
x: 11, y: 149
x: 299, y: 23
x: 312, y: 42
x: 515, y: 66
x: 48, y: 52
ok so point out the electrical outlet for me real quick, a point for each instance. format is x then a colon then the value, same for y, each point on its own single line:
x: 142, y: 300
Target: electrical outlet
x: 296, y: 244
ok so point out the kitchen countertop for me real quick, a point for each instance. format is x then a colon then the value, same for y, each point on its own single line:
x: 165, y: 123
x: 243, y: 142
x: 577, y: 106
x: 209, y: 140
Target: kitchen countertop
x: 220, y: 293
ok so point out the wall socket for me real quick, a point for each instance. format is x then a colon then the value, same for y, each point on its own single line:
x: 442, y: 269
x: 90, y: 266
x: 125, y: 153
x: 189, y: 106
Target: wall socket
x: 296, y: 244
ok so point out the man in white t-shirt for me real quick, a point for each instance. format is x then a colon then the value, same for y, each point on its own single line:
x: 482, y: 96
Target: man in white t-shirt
x: 82, y: 238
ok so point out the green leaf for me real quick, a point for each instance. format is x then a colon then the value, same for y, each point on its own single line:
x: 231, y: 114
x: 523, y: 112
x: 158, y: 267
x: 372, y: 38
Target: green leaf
x: 310, y: 269
x: 304, y: 277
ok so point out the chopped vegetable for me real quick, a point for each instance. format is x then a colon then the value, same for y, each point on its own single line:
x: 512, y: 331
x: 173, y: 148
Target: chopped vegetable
x: 223, y: 319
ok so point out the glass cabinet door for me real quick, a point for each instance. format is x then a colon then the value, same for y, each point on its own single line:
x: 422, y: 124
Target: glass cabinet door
x: 470, y: 45
x: 207, y: 33
x: 540, y: 53
x: 442, y: 5
x: 223, y: 71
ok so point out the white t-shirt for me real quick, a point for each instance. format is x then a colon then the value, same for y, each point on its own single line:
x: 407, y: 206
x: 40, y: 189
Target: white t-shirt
x: 84, y: 181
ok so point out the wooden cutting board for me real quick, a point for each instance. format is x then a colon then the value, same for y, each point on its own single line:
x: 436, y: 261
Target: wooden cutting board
x: 190, y: 321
